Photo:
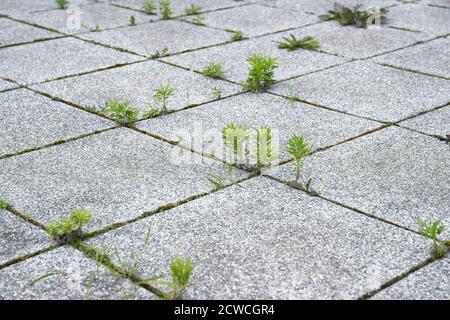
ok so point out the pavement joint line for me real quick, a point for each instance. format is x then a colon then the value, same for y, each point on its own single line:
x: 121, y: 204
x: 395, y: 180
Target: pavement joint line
x: 413, y: 71
x: 421, y: 113
x: 32, y: 41
x: 28, y: 256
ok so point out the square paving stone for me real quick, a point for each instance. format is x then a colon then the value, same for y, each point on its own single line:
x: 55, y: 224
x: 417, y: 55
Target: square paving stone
x: 117, y: 175
x: 147, y: 39
x: 52, y: 59
x: 369, y: 90
x: 428, y: 283
x: 17, y: 32
x: 29, y: 120
x: 91, y: 17
x: 417, y: 17
x: 394, y: 174
x: 434, y: 122
x: 19, y: 238
x: 319, y: 126
x: 233, y: 58
x: 69, y: 275
x: 136, y: 83
x: 6, y: 85
x: 360, y: 43
x: 255, y: 20
x: 432, y: 58
x: 13, y: 7
x: 264, y: 240
x: 439, y: 3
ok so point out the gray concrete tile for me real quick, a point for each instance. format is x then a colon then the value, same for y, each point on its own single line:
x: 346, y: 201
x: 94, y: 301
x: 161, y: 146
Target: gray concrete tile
x: 117, y: 175
x: 320, y: 127
x: 19, y: 238
x: 428, y: 283
x: 417, y: 17
x: 136, y: 83
x: 6, y: 85
x: 19, y: 32
x: 30, y: 120
x: 13, y: 7
x: 91, y: 17
x: 439, y: 3
x: 265, y: 240
x: 431, y: 57
x: 370, y: 90
x: 147, y: 39
x: 47, y: 60
x: 395, y: 174
x: 233, y: 57
x: 435, y: 122
x: 70, y: 276
x: 268, y: 19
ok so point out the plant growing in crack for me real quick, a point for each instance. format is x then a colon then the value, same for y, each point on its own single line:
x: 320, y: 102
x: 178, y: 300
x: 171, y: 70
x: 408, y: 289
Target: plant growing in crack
x: 151, y: 111
x: 164, y: 9
x: 291, y: 43
x: 121, y: 111
x: 62, y: 4
x: 68, y: 229
x: 149, y: 6
x: 214, y: 70
x: 192, y: 9
x: 238, y: 35
x: 132, y: 20
x: 217, y: 92
x: 162, y: 95
x: 265, y: 152
x: 261, y: 73
x: 159, y: 54
x: 4, y: 204
x: 431, y: 230
x: 220, y: 181
x: 354, y: 16
x: 199, y: 21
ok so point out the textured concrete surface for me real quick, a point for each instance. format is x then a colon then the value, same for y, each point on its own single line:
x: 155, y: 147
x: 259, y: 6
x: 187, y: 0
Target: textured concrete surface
x: 20, y: 32
x: 30, y: 120
x: 5, y: 85
x: 434, y: 122
x: 13, y: 7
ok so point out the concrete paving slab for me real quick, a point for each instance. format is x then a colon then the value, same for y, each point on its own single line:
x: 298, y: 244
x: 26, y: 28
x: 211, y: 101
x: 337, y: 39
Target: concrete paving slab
x: 431, y: 58
x: 117, y: 175
x: 19, y: 238
x: 268, y: 241
x: 13, y: 7
x: 369, y: 90
x: 19, y: 33
x: 147, y: 39
x: 69, y: 276
x: 6, y: 85
x: 394, y: 174
x: 48, y: 60
x: 136, y: 83
x: 439, y: 3
x: 233, y: 57
x: 251, y: 24
x: 29, y: 120
x: 428, y: 283
x: 319, y: 126
x: 434, y: 122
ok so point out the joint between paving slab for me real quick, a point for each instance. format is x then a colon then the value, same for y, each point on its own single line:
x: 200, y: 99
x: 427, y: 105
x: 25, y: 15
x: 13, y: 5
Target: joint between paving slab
x: 413, y: 71
x: 27, y: 256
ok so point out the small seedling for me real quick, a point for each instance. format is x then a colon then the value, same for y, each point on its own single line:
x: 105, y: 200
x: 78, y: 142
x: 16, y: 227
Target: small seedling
x: 213, y: 70
x: 432, y: 229
x: 298, y: 149
x: 199, y: 20
x: 162, y: 95
x: 159, y: 54
x: 192, y: 9
x: 151, y: 111
x: 217, y: 92
x: 149, y: 7
x: 62, y: 3
x: 4, y: 204
x: 261, y: 72
x: 68, y: 229
x: 132, y: 20
x: 121, y: 111
x: 237, y: 36
x: 291, y: 43
x: 164, y: 9
x: 219, y: 181
x: 353, y: 16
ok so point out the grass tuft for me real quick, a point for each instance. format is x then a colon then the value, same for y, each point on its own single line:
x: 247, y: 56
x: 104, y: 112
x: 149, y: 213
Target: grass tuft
x: 354, y: 16
x: 62, y: 4
x: 261, y: 72
x: 121, y: 111
x: 149, y: 6
x: 192, y: 9
x: 164, y: 9
x: 291, y: 43
x: 214, y: 70
x: 431, y: 230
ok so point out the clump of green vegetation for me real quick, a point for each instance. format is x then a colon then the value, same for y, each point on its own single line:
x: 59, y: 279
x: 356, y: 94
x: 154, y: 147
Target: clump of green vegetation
x: 132, y: 20
x: 298, y: 149
x: 180, y: 273
x: 237, y: 36
x: 192, y: 9
x: 219, y: 181
x: 235, y: 136
x: 68, y: 229
x: 261, y: 73
x: 62, y: 3
x: 162, y: 95
x: 291, y: 43
x: 199, y: 20
x: 149, y: 6
x: 151, y: 111
x: 214, y: 70
x: 164, y: 9
x: 158, y: 54
x: 431, y: 230
x: 217, y: 92
x: 354, y: 16
x: 4, y: 204
x: 121, y: 111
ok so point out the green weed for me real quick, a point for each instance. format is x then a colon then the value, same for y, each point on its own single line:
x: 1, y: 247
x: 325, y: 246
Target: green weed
x: 291, y: 43
x: 121, y: 111
x: 214, y: 70
x: 192, y: 9
x: 261, y: 73
x: 149, y: 6
x: 164, y: 9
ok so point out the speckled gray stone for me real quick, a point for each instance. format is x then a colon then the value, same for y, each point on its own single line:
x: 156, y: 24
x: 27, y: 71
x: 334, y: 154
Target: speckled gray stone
x: 6, y: 85
x: 428, y: 283
x: 70, y: 276
x: 52, y: 59
x: 102, y: 15
x: 136, y: 83
x: 395, y: 174
x: 30, y: 120
x: 359, y: 43
x: 440, y: 3
x: 117, y: 175
x: 255, y: 20
x: 417, y: 17
x: 434, y: 122
x: 319, y: 126
x: 233, y: 57
x: 370, y: 90
x: 14, y: 7
x: 17, y: 32
x: 19, y: 238
x: 146, y: 39
x: 431, y: 58
x: 265, y: 240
